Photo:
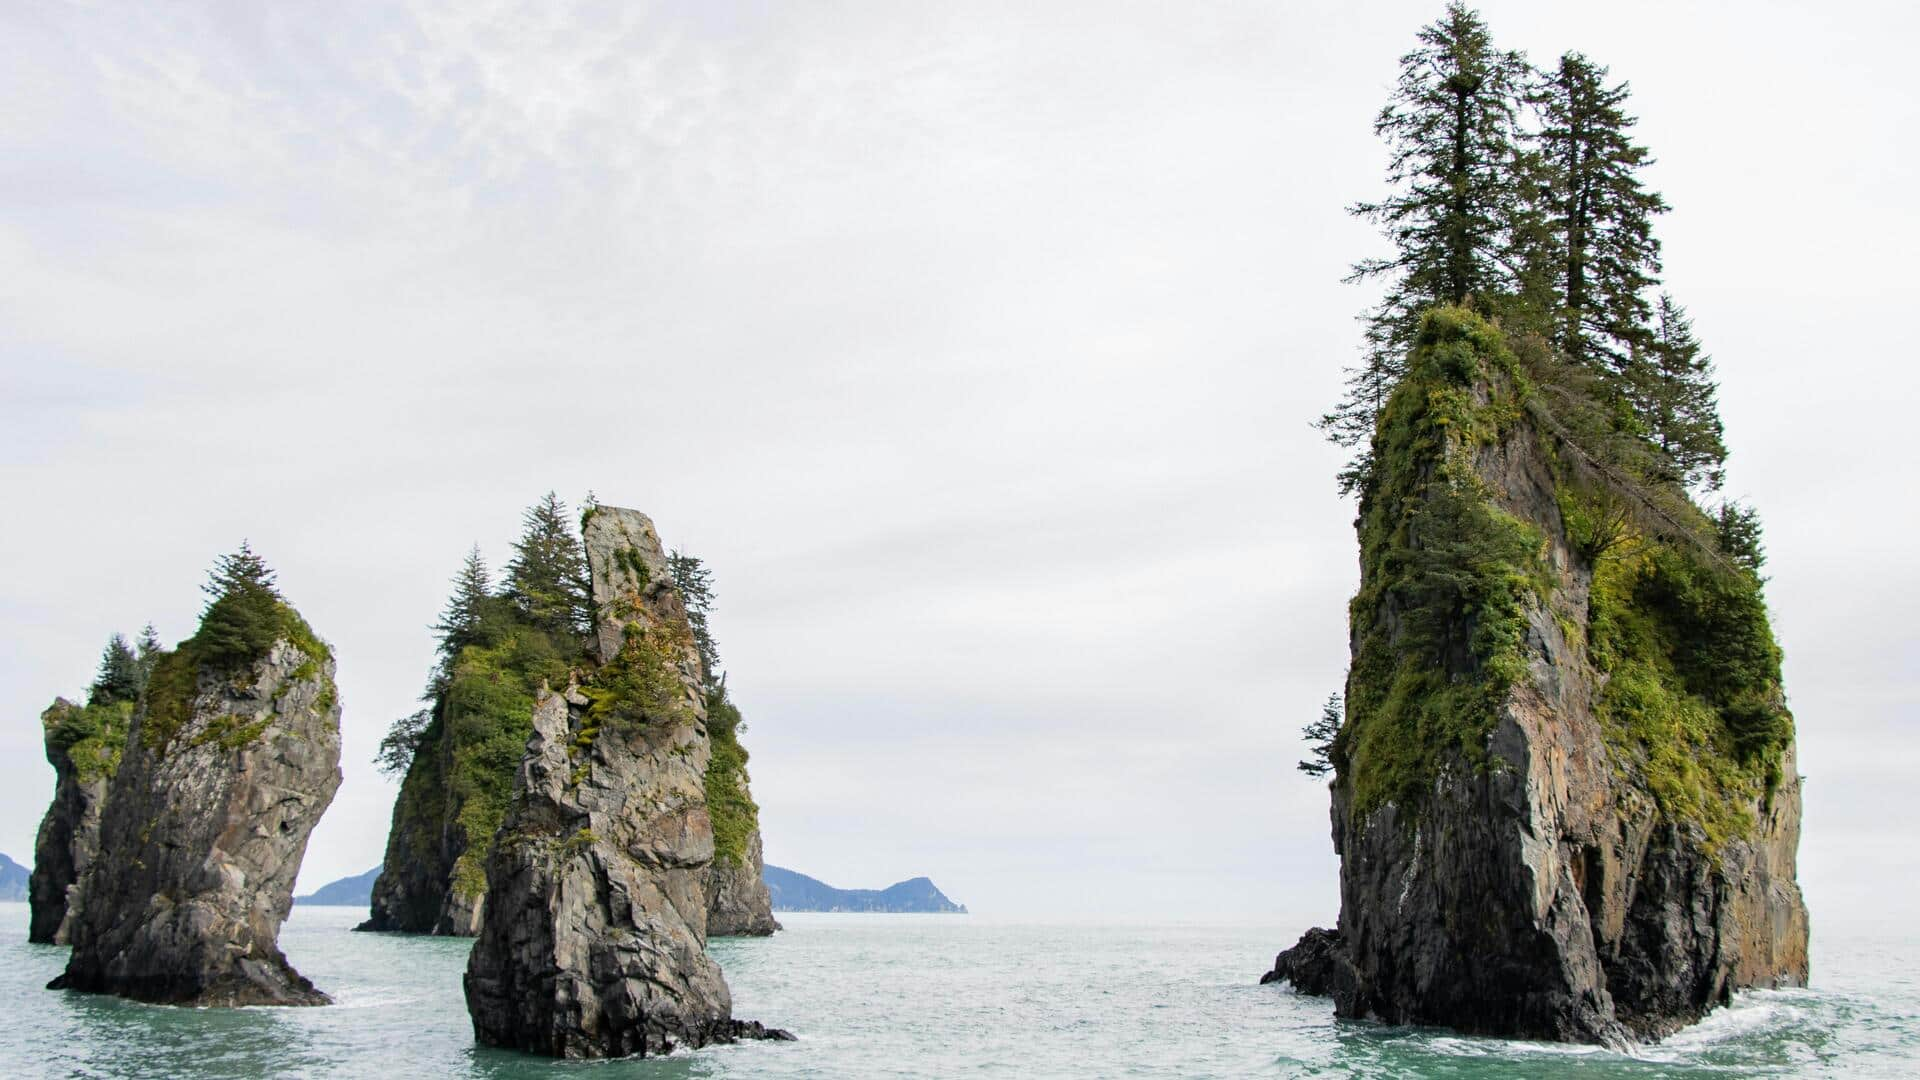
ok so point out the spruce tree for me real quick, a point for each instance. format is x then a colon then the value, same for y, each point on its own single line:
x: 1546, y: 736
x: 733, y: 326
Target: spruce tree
x: 242, y: 618
x: 695, y: 583
x: 547, y: 579
x: 1598, y: 217
x: 1452, y: 126
x: 461, y: 623
x: 1320, y: 735
x: 119, y: 675
x: 401, y: 742
x: 147, y: 653
x: 1737, y: 529
x: 1670, y: 384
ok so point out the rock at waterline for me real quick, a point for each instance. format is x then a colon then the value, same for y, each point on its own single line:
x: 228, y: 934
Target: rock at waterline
x: 227, y: 768
x: 593, y: 939
x: 1565, y: 794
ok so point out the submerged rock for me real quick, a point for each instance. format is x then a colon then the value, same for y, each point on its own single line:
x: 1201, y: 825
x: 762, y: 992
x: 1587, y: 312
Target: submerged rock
x: 1565, y: 797
x: 593, y: 938
x: 83, y: 743
x: 227, y: 768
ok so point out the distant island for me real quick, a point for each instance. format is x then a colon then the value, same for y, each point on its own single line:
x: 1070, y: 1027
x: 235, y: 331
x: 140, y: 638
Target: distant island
x: 13, y: 880
x: 347, y: 892
x: 797, y: 892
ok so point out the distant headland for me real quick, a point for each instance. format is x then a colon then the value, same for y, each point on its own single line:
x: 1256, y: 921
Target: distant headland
x: 797, y: 892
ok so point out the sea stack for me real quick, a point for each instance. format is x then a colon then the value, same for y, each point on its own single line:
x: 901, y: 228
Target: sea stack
x: 1565, y: 798
x: 458, y: 757
x: 593, y: 937
x: 84, y: 743
x: 232, y: 756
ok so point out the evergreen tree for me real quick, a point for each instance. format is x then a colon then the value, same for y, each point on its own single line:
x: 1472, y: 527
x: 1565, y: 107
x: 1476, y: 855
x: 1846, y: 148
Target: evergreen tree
x: 462, y: 622
x: 119, y: 676
x: 1671, y: 387
x: 1452, y: 125
x: 147, y: 654
x: 695, y: 583
x: 1320, y: 734
x: 547, y: 580
x: 1598, y: 218
x: 401, y: 742
x: 242, y: 619
x: 1737, y: 528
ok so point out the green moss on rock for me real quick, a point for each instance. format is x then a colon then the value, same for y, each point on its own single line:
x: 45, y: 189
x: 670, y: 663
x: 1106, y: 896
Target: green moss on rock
x: 92, y: 737
x: 1684, y: 663
x: 486, y: 718
x: 1440, y: 619
x: 735, y: 815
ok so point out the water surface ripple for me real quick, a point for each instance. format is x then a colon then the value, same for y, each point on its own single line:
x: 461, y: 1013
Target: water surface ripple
x: 920, y: 996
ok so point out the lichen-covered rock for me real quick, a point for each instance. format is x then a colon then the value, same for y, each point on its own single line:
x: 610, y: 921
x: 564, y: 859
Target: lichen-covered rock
x: 738, y: 903
x: 593, y: 937
x: 1565, y: 797
x: 84, y: 744
x: 226, y: 771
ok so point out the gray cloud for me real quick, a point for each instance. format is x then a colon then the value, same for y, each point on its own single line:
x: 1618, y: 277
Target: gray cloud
x: 974, y: 346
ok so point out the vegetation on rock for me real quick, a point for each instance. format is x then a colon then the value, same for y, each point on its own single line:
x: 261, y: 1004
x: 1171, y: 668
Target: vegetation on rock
x: 736, y: 818
x: 498, y: 644
x: 245, y: 615
x: 1517, y: 194
x: 1522, y: 308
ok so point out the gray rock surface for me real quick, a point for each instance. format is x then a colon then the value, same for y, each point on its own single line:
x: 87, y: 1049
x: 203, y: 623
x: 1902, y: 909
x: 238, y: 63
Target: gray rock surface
x: 207, y: 829
x: 738, y: 903
x: 69, y: 834
x: 593, y: 938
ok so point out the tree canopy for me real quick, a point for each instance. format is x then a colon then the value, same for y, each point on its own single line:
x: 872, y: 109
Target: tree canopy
x: 547, y: 577
x: 119, y: 678
x: 1519, y: 193
x: 242, y: 618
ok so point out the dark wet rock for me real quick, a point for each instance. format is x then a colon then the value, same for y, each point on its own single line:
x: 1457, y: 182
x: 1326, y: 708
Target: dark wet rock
x: 1317, y: 965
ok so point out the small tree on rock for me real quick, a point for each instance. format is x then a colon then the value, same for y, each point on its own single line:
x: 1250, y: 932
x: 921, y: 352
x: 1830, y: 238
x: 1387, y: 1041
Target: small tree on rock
x: 547, y: 579
x: 119, y: 676
x: 242, y: 619
x: 1320, y: 735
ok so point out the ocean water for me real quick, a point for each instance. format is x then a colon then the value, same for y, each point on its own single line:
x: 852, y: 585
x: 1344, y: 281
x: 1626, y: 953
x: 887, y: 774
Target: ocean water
x: 931, y: 996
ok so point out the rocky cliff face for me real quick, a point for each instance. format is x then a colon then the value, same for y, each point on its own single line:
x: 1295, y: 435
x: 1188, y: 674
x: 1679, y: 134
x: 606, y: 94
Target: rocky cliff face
x: 738, y: 903
x: 84, y: 744
x: 1565, y: 799
x: 593, y: 938
x: 225, y: 773
x: 456, y: 788
x: 432, y: 880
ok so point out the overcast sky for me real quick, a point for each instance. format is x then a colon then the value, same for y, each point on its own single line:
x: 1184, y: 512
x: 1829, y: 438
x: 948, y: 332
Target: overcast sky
x: 974, y: 346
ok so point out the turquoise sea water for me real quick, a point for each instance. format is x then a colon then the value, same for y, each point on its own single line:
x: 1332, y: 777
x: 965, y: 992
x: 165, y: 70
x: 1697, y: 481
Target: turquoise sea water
x: 928, y: 995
